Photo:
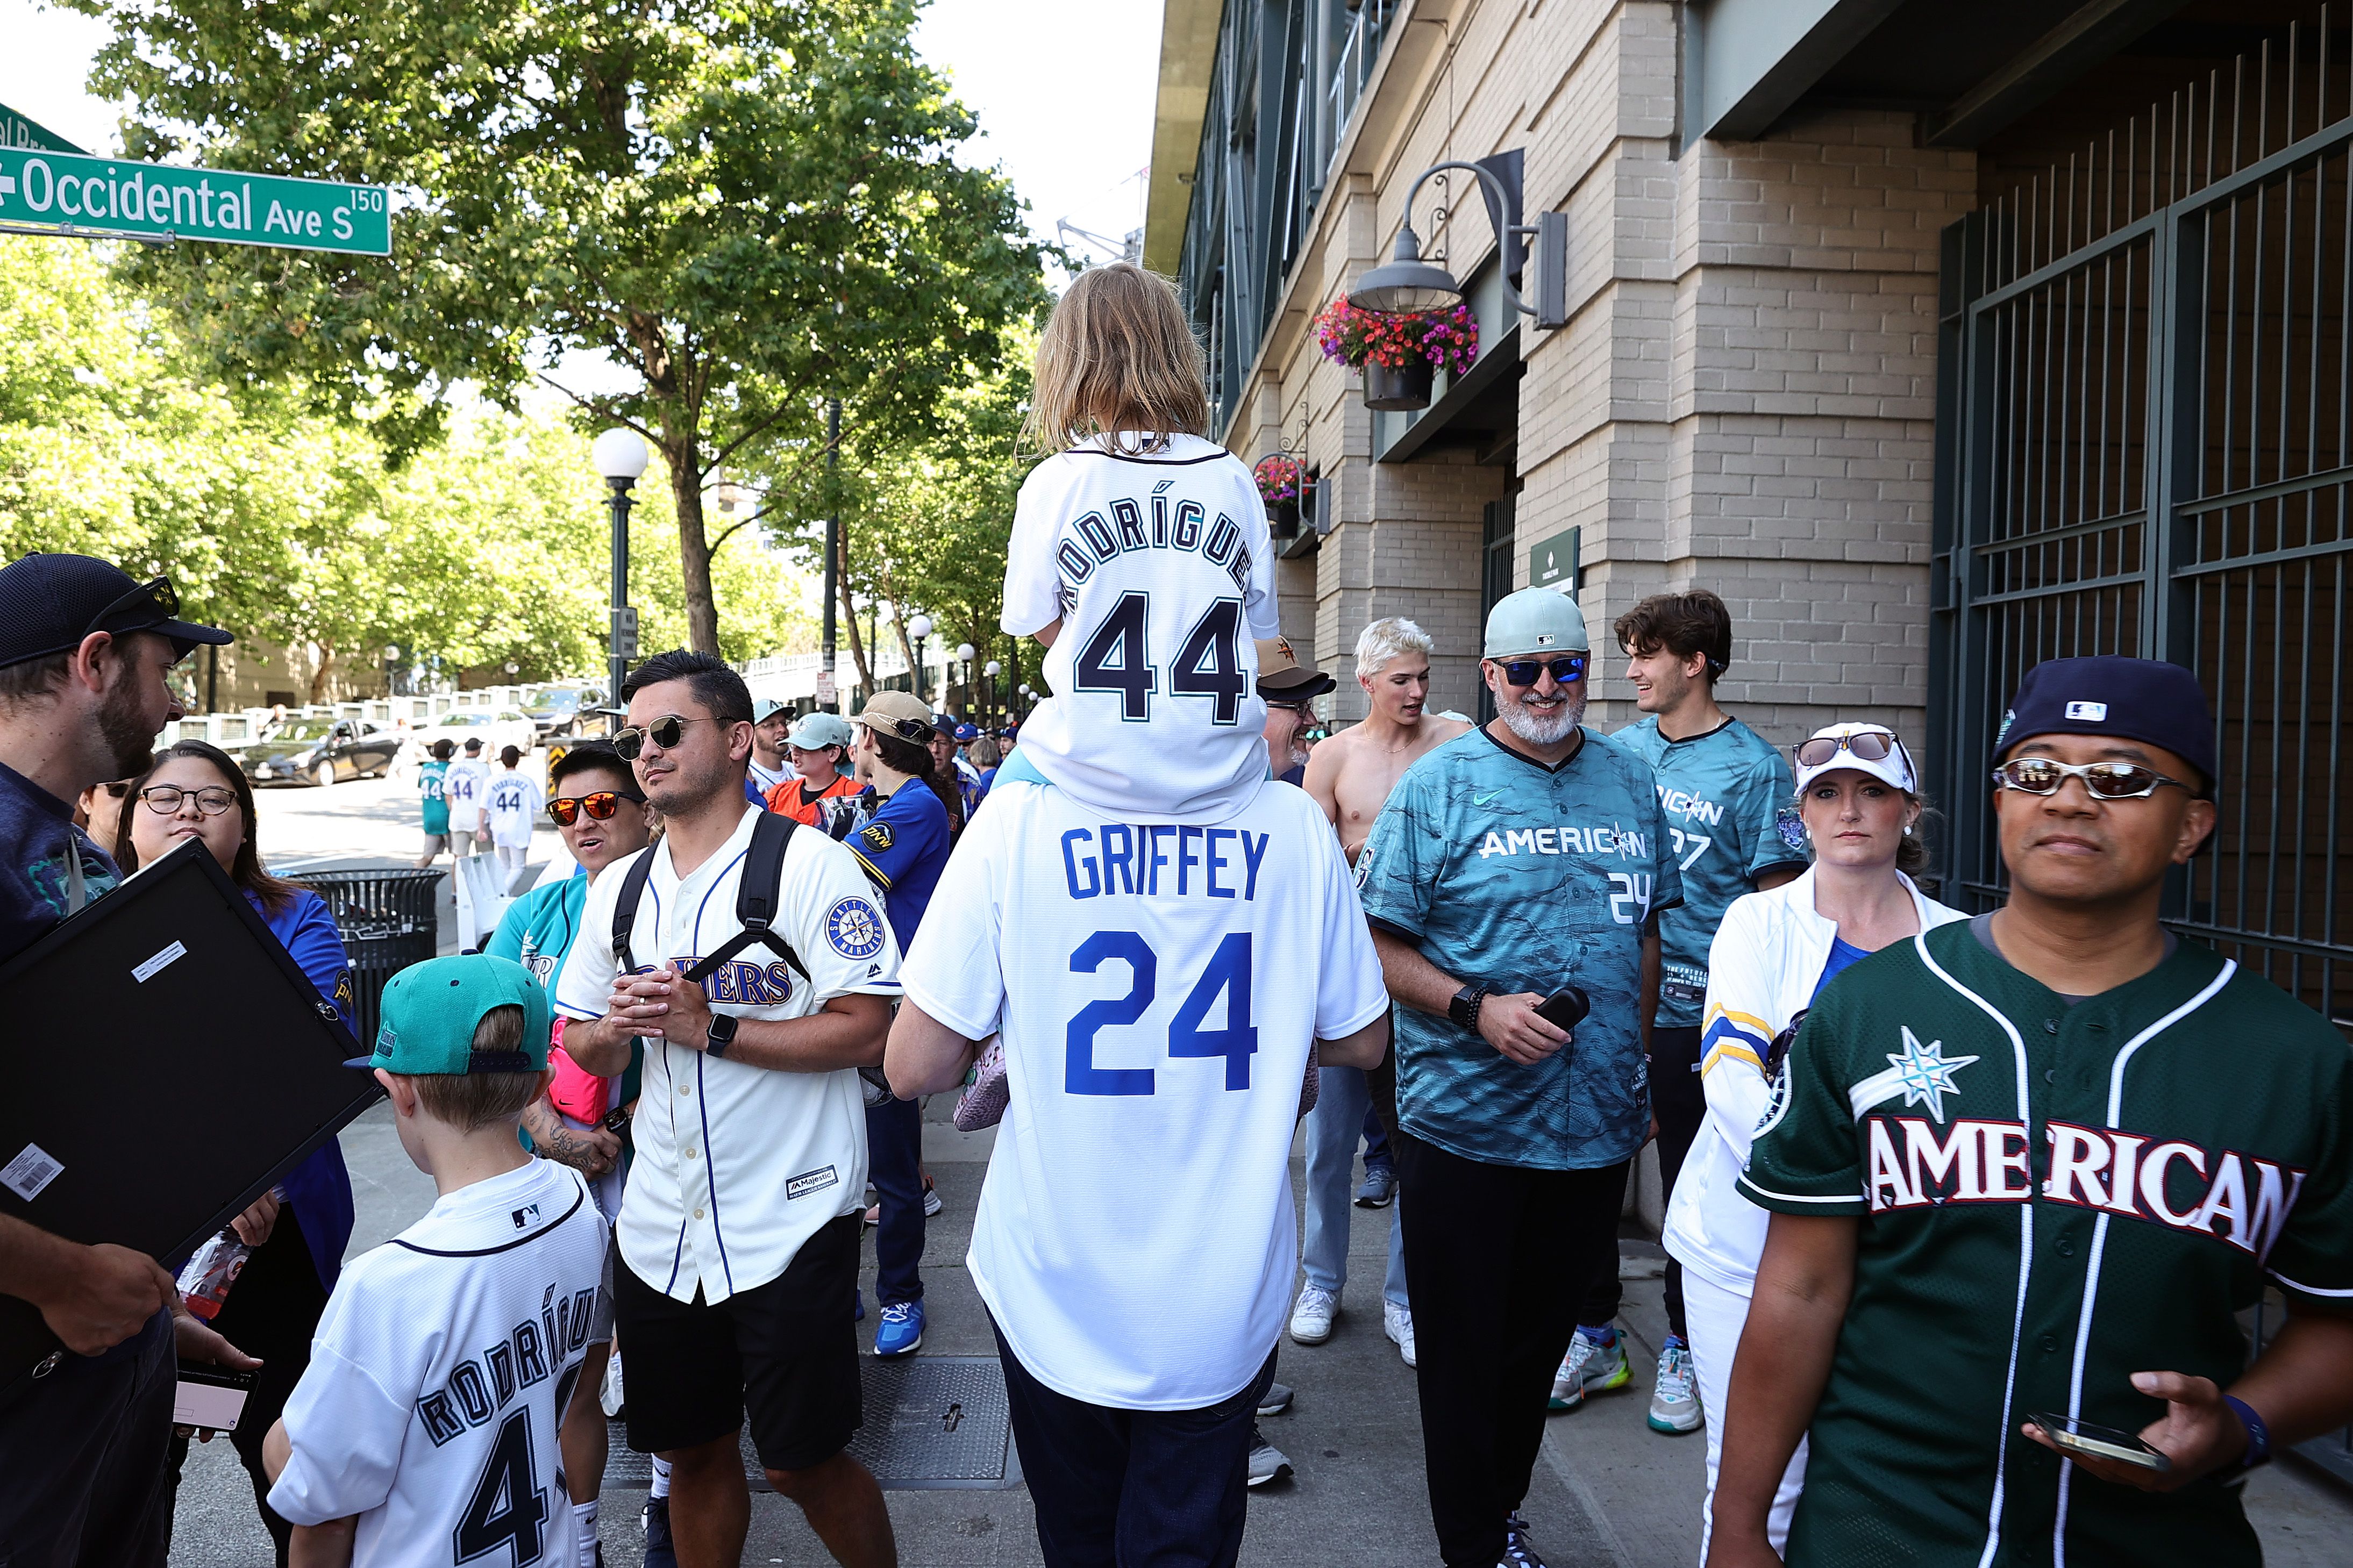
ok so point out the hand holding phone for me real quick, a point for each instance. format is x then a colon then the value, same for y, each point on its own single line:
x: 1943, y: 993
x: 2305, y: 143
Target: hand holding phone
x: 210, y: 1399
x: 2076, y: 1437
x: 1565, y: 1008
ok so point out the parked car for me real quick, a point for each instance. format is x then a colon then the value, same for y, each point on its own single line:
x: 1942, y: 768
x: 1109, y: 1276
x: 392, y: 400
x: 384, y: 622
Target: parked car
x: 494, y: 727
x: 318, y: 750
x: 564, y: 710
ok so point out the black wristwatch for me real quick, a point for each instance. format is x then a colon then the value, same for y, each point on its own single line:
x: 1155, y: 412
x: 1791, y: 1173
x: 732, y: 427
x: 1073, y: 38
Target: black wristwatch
x: 722, y: 1036
x: 1464, y: 1008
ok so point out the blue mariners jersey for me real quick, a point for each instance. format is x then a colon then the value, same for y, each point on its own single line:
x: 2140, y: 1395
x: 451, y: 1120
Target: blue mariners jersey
x: 1525, y: 879
x: 903, y: 847
x: 1721, y: 792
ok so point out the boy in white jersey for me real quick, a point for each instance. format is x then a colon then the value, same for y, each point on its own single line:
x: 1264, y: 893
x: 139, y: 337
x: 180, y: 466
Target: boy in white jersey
x: 425, y: 1430
x: 1140, y: 558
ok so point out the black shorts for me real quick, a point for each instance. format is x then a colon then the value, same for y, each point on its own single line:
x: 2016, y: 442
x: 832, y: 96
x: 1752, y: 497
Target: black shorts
x: 785, y: 1353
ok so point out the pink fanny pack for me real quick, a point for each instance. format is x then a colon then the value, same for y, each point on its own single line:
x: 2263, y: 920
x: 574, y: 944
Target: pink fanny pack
x: 577, y: 1093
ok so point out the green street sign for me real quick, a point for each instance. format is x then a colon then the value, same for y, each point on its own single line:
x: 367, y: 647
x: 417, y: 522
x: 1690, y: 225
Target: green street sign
x: 1553, y: 562
x: 16, y: 130
x: 161, y: 201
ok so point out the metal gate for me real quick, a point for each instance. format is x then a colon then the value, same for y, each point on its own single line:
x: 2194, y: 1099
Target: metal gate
x: 2145, y: 446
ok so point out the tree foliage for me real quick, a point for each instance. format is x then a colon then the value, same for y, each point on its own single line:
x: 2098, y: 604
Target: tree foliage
x: 749, y: 208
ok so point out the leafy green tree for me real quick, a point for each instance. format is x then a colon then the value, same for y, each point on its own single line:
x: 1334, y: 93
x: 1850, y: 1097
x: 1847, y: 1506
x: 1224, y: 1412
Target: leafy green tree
x: 747, y: 207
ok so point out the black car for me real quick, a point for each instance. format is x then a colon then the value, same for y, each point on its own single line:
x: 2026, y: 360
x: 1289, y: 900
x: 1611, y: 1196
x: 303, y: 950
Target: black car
x: 318, y: 750
x: 564, y: 710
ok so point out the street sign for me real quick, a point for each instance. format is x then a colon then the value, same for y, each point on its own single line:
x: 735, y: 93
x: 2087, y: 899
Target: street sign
x: 161, y: 201
x: 625, y: 631
x: 17, y: 130
x: 826, y: 693
x: 1553, y: 562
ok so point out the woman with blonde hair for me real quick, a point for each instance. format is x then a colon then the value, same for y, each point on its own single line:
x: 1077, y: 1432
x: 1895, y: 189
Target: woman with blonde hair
x: 1858, y: 811
x: 1140, y: 558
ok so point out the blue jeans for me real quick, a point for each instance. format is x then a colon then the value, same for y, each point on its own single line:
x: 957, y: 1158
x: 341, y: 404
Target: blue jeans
x: 895, y: 1164
x: 1333, y: 1129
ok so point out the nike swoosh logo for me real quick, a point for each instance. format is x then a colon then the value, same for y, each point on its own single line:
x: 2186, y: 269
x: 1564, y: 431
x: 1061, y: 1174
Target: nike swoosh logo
x: 1483, y: 799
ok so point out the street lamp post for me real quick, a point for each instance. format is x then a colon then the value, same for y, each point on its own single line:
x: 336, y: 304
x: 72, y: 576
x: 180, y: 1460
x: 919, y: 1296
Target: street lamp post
x: 989, y: 672
x: 963, y: 657
x: 392, y: 671
x: 918, y: 628
x: 621, y: 457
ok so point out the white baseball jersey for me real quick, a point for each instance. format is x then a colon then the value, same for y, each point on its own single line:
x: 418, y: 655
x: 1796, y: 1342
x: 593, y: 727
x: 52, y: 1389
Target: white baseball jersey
x: 1157, y: 986
x: 512, y: 804
x: 1162, y: 573
x: 465, y: 786
x: 439, y: 1374
x: 737, y: 1165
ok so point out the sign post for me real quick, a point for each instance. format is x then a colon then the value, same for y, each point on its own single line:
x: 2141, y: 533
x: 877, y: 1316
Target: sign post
x: 66, y: 193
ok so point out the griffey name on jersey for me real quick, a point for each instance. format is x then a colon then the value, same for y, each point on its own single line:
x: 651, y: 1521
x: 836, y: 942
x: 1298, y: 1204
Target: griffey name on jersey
x: 482, y: 1385
x: 1183, y: 527
x: 1150, y: 860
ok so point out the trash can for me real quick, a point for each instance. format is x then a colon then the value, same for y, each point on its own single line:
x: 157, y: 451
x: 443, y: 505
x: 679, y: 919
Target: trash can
x: 388, y: 921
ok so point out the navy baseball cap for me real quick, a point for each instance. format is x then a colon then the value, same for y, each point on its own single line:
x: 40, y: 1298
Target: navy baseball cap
x: 48, y: 603
x: 2145, y: 699
x: 967, y: 731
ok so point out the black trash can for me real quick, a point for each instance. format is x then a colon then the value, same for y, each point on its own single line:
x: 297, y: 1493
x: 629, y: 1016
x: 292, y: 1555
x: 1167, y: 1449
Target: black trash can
x: 389, y: 919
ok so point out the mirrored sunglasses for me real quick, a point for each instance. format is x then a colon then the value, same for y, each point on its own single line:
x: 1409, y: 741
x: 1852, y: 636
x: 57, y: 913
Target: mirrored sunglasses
x: 1865, y: 745
x: 664, y: 731
x: 2105, y: 780
x: 600, y: 805
x: 1567, y: 669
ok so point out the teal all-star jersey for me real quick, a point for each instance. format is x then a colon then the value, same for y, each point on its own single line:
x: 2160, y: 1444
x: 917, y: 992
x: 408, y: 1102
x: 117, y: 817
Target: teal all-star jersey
x: 2049, y: 1198
x: 536, y: 932
x: 1525, y: 877
x: 1722, y: 792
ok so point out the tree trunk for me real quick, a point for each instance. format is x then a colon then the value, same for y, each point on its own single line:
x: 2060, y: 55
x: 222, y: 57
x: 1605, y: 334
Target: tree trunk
x: 683, y: 453
x: 319, y: 674
x: 857, y: 643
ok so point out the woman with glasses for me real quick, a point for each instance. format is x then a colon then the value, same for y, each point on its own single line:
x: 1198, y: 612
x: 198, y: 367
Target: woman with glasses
x: 1857, y: 811
x: 192, y: 790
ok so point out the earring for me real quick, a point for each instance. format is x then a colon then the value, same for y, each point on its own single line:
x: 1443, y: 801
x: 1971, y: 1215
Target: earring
x: 1907, y: 830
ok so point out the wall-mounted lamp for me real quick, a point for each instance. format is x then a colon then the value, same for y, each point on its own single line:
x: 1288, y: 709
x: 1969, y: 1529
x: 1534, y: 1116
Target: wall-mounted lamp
x: 1407, y: 284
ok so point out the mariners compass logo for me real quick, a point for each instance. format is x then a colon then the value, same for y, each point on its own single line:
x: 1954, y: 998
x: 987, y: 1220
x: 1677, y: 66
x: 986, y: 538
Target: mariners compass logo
x: 1923, y: 1073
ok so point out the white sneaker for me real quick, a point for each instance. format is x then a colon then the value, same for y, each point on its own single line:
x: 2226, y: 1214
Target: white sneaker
x: 1398, y: 1323
x: 1312, y: 1314
x: 1675, y: 1403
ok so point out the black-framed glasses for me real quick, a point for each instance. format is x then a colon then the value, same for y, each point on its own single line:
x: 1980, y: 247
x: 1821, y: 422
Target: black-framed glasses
x: 1567, y: 668
x: 2105, y: 780
x: 156, y: 593
x: 165, y: 800
x: 1865, y: 745
x: 664, y: 731
x: 599, y: 804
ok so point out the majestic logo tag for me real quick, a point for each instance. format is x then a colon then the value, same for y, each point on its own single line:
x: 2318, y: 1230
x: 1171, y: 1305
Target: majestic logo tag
x: 809, y: 1182
x: 1921, y: 1073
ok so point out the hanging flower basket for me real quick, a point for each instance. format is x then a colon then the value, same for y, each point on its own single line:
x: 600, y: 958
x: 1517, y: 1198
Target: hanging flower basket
x: 1281, y: 482
x: 1399, y: 353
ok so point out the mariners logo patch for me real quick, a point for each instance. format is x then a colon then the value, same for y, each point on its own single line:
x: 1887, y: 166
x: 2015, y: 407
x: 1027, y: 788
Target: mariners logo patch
x: 877, y: 834
x: 855, y: 929
x: 1920, y: 1073
x: 1791, y: 827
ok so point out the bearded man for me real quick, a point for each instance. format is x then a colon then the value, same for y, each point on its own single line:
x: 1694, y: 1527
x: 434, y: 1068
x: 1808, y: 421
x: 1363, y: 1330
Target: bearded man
x: 1519, y: 861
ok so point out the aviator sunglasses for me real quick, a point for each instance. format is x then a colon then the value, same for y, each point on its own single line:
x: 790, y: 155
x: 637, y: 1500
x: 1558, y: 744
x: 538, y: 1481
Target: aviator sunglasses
x: 664, y: 731
x: 600, y: 806
x: 1867, y: 745
x: 2105, y: 780
x: 1567, y: 669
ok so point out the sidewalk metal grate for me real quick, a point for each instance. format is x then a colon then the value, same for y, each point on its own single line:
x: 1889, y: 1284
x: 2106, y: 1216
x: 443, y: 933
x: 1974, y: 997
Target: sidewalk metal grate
x: 933, y: 1423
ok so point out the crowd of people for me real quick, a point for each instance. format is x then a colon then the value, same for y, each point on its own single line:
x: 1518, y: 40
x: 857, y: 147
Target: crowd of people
x: 1960, y: 1207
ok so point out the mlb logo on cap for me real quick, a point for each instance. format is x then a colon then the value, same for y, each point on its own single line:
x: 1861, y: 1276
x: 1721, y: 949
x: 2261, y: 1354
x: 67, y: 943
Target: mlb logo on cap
x: 2090, y: 712
x: 1544, y: 639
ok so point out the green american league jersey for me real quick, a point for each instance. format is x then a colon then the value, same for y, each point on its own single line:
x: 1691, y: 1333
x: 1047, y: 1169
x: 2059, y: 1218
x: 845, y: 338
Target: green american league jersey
x: 1721, y: 792
x: 2052, y: 1198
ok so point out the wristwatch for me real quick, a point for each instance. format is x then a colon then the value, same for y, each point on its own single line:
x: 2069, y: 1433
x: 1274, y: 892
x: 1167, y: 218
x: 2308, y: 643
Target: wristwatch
x: 722, y: 1036
x: 1464, y: 1008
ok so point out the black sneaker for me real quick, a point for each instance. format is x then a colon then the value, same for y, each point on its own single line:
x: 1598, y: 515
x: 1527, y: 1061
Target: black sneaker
x: 1518, y: 1551
x: 659, y: 1554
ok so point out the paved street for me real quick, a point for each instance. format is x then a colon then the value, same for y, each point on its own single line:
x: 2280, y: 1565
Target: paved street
x: 1608, y: 1493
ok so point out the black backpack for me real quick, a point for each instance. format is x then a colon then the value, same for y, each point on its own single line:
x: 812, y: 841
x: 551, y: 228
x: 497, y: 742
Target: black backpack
x: 755, y: 902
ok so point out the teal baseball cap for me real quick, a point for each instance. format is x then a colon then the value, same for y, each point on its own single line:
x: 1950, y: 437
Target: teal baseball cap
x: 1536, y: 621
x: 430, y: 1010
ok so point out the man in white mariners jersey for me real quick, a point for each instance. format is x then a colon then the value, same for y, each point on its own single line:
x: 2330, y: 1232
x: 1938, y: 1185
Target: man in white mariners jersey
x: 739, y: 1229
x: 2023, y: 1170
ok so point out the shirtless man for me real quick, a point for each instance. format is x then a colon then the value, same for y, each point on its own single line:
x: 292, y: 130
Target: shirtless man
x: 1351, y: 775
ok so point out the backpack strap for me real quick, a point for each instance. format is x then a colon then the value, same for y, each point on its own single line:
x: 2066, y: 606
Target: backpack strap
x: 759, y: 893
x: 625, y: 909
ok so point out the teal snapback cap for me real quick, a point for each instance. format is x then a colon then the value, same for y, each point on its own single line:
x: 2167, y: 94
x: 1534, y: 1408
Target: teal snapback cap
x: 1536, y: 621
x: 430, y: 1010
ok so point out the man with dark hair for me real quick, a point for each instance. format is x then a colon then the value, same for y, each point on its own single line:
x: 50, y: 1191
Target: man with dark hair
x: 2024, y: 1171
x: 86, y: 654
x: 1723, y: 789
x: 740, y: 1227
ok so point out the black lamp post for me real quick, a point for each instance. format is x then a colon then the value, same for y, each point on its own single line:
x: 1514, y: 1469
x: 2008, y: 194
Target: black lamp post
x: 919, y: 628
x: 620, y: 455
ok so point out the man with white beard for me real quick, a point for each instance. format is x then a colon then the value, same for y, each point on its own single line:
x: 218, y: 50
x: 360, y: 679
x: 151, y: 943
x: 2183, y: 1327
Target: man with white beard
x: 1525, y: 860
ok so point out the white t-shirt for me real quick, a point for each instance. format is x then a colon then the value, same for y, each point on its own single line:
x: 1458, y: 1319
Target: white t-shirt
x: 1134, y: 1240
x: 1162, y: 573
x: 737, y: 1165
x: 465, y: 786
x: 439, y: 1374
x: 765, y: 778
x: 513, y: 805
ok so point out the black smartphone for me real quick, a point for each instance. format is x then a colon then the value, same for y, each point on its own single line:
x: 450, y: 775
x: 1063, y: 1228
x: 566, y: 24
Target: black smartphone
x: 1565, y: 1008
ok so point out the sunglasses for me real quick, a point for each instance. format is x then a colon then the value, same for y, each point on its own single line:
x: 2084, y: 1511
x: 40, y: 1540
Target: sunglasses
x: 914, y: 730
x: 1865, y: 745
x: 2105, y: 780
x: 156, y: 593
x: 664, y: 732
x: 1567, y: 669
x: 600, y: 805
x: 165, y: 800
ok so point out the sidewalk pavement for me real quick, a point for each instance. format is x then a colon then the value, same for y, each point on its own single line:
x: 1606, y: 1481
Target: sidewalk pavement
x: 1608, y: 1493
